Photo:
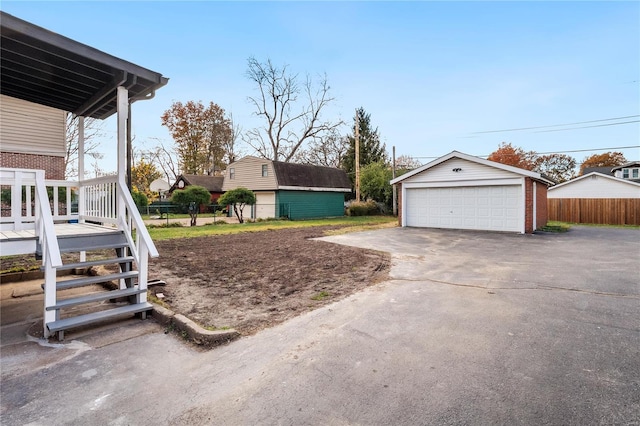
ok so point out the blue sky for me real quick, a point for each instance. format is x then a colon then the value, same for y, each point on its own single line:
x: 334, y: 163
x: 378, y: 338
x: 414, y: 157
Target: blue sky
x: 431, y: 74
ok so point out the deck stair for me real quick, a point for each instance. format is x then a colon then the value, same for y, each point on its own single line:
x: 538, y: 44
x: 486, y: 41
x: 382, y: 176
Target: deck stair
x: 96, y: 302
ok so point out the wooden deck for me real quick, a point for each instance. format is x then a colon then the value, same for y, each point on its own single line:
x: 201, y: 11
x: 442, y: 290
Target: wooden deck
x: 24, y: 241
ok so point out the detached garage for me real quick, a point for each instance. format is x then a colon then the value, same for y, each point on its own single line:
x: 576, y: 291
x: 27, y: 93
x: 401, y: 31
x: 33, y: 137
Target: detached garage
x: 460, y: 191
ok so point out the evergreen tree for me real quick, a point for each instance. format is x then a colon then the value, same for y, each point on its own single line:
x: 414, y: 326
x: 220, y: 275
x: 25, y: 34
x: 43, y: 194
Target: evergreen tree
x: 371, y: 150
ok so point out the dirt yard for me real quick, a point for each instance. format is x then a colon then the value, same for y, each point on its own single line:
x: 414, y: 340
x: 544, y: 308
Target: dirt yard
x: 254, y: 280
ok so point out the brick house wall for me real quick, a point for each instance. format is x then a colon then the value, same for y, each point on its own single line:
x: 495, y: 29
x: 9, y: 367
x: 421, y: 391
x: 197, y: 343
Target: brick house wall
x: 52, y: 165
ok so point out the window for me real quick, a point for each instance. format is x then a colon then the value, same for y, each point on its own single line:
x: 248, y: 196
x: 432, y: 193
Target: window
x: 232, y: 173
x: 625, y: 173
x: 265, y: 171
x: 634, y: 173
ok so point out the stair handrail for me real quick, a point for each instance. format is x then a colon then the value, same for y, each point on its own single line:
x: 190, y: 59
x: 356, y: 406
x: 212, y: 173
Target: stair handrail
x: 134, y: 215
x: 45, y: 229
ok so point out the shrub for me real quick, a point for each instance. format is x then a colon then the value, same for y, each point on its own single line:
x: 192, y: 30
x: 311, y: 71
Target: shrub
x: 363, y: 208
x: 140, y: 199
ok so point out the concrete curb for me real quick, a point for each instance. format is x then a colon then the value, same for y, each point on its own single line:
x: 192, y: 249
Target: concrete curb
x: 191, y: 330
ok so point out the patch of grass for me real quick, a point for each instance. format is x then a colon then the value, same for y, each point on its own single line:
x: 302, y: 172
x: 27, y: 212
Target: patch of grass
x: 599, y: 225
x: 157, y: 301
x: 320, y: 296
x: 20, y: 269
x: 553, y: 226
x: 358, y: 223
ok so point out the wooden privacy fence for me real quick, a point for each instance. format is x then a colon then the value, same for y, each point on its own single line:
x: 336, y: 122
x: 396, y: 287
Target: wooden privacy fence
x: 607, y: 211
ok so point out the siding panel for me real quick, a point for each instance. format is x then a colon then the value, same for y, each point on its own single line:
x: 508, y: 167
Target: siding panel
x: 469, y: 171
x: 248, y: 174
x: 309, y: 204
x: 30, y: 128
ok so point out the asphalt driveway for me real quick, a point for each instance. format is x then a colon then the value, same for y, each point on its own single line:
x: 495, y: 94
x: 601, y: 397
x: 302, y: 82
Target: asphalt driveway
x: 474, y: 328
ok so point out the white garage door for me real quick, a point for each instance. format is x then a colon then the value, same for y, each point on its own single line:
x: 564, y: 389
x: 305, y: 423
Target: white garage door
x: 265, y: 205
x: 491, y: 208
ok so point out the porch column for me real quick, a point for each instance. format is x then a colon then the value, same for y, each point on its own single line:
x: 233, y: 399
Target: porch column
x: 81, y: 210
x: 123, y: 112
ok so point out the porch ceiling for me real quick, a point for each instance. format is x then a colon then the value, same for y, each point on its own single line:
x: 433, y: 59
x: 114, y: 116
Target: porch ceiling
x: 46, y: 68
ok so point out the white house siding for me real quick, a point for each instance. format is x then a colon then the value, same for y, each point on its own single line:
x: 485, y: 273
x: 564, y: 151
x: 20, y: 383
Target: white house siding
x: 595, y: 186
x: 248, y: 174
x: 30, y: 128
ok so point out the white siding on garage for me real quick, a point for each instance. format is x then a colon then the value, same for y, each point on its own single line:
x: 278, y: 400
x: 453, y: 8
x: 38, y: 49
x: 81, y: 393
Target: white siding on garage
x: 469, y: 171
x: 491, y: 208
x: 30, y: 128
x: 265, y: 205
x: 595, y: 186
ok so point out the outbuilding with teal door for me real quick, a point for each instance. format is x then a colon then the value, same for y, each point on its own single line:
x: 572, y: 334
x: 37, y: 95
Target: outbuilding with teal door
x: 294, y: 191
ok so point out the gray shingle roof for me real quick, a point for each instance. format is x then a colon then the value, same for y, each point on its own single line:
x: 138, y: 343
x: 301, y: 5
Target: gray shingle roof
x: 211, y: 183
x: 306, y: 175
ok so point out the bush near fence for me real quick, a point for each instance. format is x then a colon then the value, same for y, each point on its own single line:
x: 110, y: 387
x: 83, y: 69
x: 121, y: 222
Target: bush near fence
x: 602, y: 211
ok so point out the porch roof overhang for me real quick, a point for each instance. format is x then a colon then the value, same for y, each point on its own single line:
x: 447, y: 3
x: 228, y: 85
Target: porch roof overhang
x: 43, y: 67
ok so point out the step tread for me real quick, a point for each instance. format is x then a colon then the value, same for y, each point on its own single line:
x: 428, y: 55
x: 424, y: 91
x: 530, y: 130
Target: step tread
x: 81, y: 320
x: 95, y: 297
x: 93, y: 247
x: 79, y: 282
x: 90, y: 263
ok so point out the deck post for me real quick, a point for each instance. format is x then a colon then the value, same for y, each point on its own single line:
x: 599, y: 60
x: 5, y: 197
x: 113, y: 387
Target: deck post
x: 123, y: 112
x: 16, y: 200
x: 49, y: 293
x: 81, y: 198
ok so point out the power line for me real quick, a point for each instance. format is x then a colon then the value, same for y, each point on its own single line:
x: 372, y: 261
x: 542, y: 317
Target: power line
x: 556, y: 125
x: 586, y: 127
x: 560, y: 152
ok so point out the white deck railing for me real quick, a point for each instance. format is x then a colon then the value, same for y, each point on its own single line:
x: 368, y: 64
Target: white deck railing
x: 19, y: 199
x: 103, y: 200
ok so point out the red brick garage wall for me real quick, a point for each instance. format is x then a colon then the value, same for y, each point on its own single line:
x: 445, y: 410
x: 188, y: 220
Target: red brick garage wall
x: 52, y: 166
x: 542, y: 211
x: 399, y: 191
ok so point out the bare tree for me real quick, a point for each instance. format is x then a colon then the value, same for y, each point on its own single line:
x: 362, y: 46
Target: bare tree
x: 407, y: 162
x: 289, y: 121
x: 92, y: 131
x: 231, y: 149
x: 165, y: 159
x: 328, y: 150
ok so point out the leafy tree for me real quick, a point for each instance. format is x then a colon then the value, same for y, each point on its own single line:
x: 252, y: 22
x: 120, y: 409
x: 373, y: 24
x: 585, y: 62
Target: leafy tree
x: 142, y: 174
x: 513, y: 156
x: 193, y: 196
x: 238, y: 198
x: 292, y: 110
x: 558, y: 167
x: 200, y: 133
x: 374, y: 182
x: 92, y: 131
x: 140, y: 199
x: 371, y: 150
x: 606, y: 159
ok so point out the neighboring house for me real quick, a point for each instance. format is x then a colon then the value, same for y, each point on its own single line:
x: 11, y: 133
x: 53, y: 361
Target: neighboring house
x: 602, y: 170
x: 213, y: 184
x: 630, y: 171
x: 596, y: 198
x: 461, y: 191
x: 296, y: 191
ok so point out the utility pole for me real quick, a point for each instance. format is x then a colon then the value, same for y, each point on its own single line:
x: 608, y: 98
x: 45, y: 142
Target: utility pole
x: 393, y: 175
x: 357, y: 156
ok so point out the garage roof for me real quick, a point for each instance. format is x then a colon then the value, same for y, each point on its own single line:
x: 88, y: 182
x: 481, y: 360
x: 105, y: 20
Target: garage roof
x: 43, y: 67
x: 455, y: 154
